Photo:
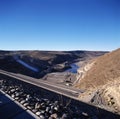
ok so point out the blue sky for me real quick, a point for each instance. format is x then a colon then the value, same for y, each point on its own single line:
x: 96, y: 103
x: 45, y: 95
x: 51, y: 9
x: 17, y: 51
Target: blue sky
x: 59, y: 24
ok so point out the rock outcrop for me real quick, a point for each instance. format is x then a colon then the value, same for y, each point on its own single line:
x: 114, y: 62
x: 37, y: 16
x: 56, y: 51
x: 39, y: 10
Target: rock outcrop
x: 108, y: 96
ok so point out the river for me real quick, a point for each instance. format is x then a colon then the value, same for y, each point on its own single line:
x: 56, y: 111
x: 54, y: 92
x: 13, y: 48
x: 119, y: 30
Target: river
x: 73, y: 68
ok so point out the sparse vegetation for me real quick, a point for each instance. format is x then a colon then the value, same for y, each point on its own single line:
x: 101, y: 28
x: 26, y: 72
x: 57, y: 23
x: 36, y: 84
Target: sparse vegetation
x: 103, y: 82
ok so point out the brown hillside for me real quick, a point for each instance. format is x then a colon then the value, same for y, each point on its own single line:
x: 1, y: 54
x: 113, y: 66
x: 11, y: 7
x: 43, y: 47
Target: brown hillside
x: 43, y: 61
x: 106, y: 68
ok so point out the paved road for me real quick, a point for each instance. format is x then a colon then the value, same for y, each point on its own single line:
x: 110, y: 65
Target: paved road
x: 67, y: 91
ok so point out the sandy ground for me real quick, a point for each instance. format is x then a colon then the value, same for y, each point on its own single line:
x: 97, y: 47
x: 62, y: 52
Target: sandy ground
x: 62, y: 78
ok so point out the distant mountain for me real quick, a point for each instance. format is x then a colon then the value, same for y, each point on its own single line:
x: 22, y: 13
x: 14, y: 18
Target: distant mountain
x: 39, y: 63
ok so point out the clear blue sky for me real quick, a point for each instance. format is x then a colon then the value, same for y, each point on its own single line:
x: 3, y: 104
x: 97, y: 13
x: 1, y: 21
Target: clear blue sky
x: 59, y: 24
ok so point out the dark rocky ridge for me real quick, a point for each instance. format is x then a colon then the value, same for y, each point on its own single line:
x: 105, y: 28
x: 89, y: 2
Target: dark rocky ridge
x: 44, y: 61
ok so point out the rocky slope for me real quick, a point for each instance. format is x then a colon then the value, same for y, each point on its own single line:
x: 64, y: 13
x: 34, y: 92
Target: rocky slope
x: 108, y: 96
x: 101, y: 82
x: 105, y: 68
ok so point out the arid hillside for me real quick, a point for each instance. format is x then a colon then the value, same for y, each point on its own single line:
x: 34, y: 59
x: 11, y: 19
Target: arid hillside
x: 105, y: 68
x: 108, y: 96
x: 101, y: 82
x: 39, y: 63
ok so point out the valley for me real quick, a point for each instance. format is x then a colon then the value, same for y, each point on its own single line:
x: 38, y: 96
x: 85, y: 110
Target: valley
x: 72, y: 74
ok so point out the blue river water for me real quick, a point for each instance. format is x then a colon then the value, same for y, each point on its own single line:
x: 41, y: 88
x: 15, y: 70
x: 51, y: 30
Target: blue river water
x: 73, y: 68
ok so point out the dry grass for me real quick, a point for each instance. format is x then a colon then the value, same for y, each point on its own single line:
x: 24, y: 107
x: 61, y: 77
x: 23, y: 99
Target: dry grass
x: 108, y: 96
x: 102, y: 82
x: 106, y: 68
